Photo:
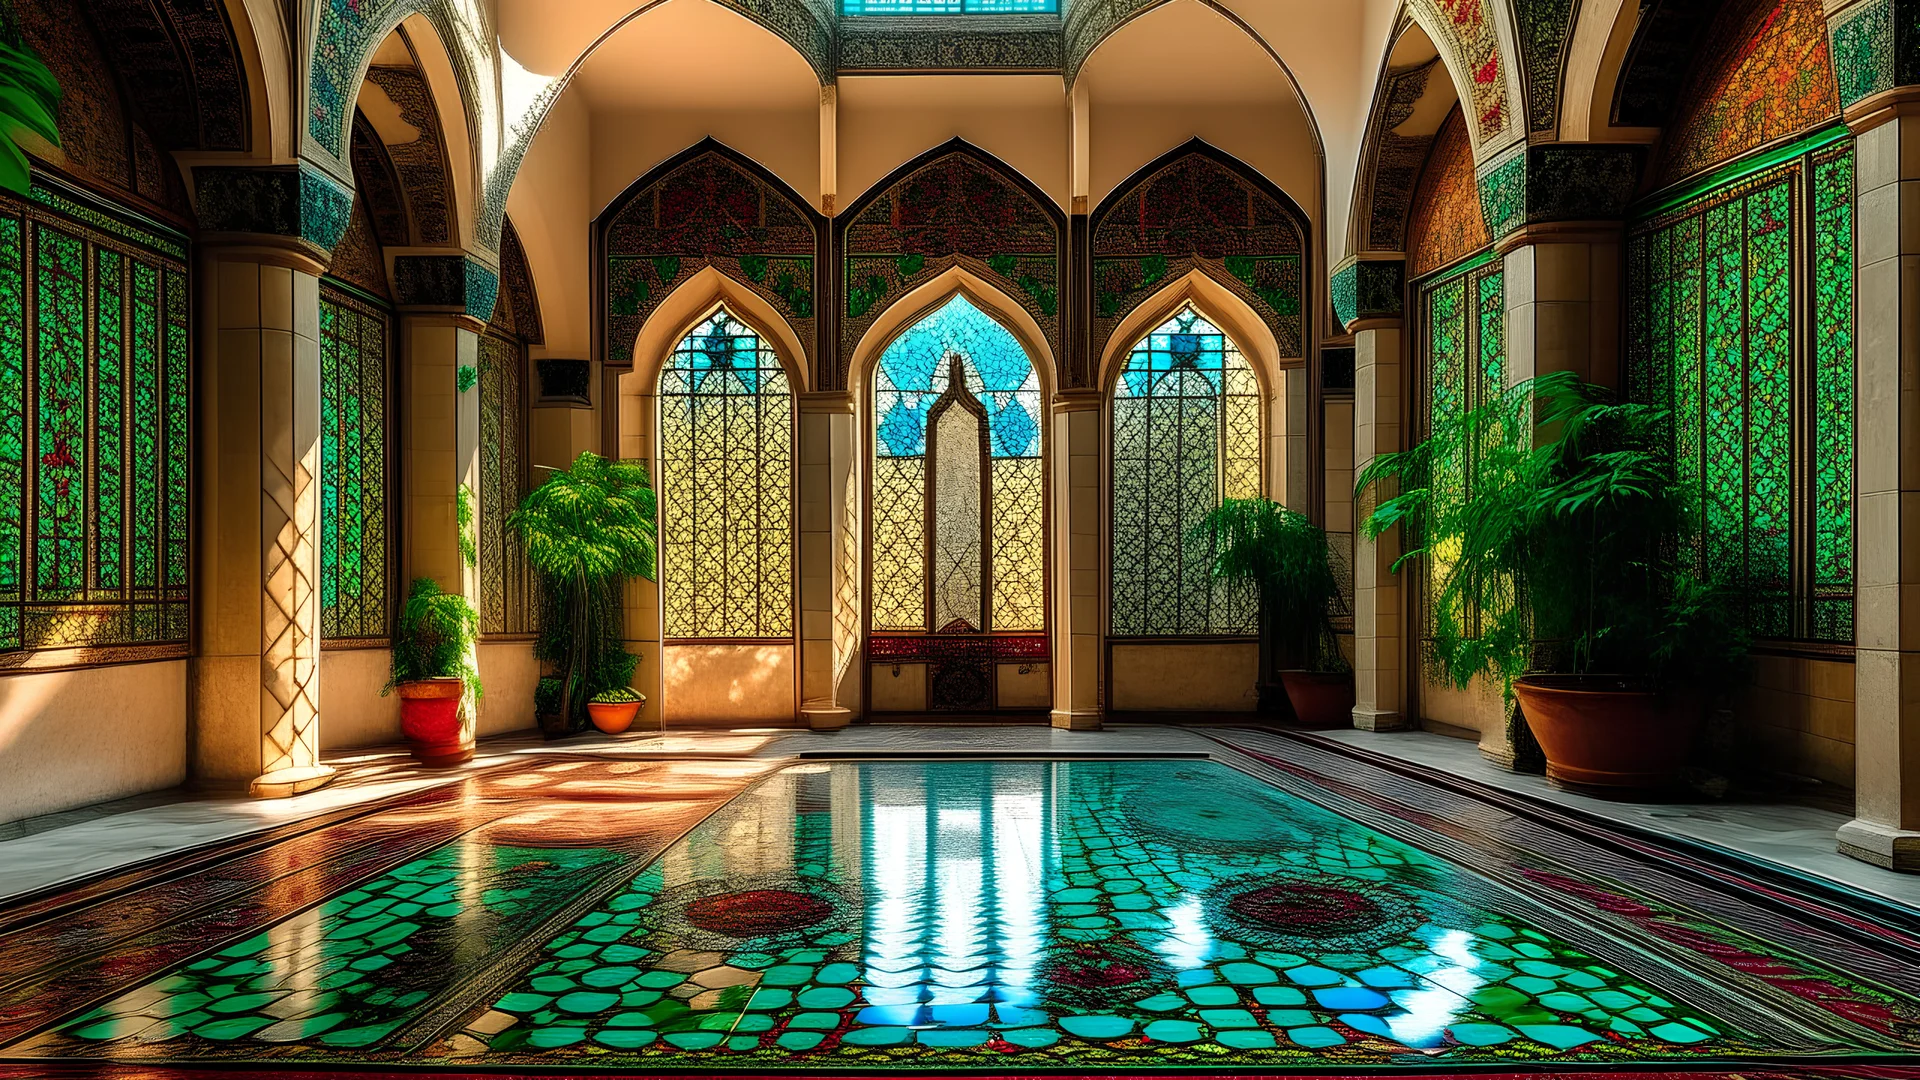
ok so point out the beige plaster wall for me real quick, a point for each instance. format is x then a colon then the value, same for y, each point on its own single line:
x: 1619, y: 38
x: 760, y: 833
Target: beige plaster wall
x: 629, y: 141
x: 550, y: 206
x: 1799, y: 713
x: 70, y: 738
x: 887, y: 120
x: 508, y: 673
x: 1209, y: 677
x: 733, y: 684
x: 352, y: 712
x: 898, y: 688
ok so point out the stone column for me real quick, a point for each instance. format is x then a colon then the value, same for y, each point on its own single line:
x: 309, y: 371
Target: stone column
x: 443, y: 302
x: 1379, y: 639
x: 1886, y: 825
x: 829, y: 591
x: 637, y: 412
x: 1079, y: 608
x: 1288, y: 444
x: 1562, y: 287
x: 256, y: 700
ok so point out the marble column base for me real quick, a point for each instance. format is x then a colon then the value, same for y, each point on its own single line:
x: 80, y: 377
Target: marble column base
x: 1365, y: 719
x: 1068, y: 720
x: 1881, y: 845
x: 282, y: 783
x: 826, y: 717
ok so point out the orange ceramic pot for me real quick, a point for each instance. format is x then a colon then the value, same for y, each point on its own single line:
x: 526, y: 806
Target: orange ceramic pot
x: 1605, y: 732
x: 1320, y: 701
x: 430, y: 719
x: 613, y: 717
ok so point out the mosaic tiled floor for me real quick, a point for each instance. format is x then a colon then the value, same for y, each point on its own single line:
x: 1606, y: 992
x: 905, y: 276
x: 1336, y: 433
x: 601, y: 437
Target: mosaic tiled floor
x: 1075, y: 916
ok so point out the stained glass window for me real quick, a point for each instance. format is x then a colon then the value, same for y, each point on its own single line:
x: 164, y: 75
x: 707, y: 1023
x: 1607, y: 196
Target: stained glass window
x: 506, y: 583
x: 354, y: 554
x: 1186, y: 434
x: 93, y: 429
x: 1760, y: 383
x: 1463, y: 358
x: 948, y: 7
x: 726, y: 486
x: 958, y: 492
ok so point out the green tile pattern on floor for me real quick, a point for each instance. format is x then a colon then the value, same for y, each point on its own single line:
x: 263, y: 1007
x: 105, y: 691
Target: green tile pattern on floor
x: 1062, y: 914
x: 348, y: 972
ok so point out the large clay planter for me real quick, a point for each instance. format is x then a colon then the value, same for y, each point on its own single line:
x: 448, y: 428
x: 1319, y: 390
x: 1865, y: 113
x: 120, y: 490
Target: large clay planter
x: 1320, y: 701
x: 613, y: 717
x: 1603, y: 732
x: 430, y: 719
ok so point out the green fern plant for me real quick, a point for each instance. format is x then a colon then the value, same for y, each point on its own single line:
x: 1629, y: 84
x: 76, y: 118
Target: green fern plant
x: 29, y: 95
x: 434, y: 638
x: 587, y: 529
x: 1285, y: 556
x: 1560, y: 539
x: 463, y: 519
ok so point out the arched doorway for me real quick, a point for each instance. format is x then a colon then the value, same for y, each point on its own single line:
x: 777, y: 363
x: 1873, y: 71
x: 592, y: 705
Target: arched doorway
x: 956, y: 543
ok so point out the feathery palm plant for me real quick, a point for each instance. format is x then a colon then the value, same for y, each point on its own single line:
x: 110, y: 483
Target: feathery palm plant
x: 1559, y: 537
x: 28, y: 94
x: 1286, y: 557
x: 587, y: 529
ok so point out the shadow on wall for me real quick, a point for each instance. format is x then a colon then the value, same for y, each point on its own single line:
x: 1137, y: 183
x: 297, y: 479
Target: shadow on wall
x: 727, y: 683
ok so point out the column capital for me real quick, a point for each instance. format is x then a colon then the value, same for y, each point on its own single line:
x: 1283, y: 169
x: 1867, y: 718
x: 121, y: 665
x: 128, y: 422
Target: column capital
x: 433, y: 316
x: 1079, y: 399
x: 450, y: 281
x: 1370, y: 285
x: 1563, y: 232
x: 264, y: 249
x: 1537, y: 183
x: 1874, y: 57
x: 299, y: 205
x: 825, y: 401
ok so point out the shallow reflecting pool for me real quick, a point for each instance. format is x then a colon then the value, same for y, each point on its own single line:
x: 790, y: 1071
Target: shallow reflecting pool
x: 959, y: 914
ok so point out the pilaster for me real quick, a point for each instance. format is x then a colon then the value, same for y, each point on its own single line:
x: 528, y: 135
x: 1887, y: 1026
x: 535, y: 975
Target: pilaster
x: 829, y: 586
x: 1379, y: 641
x: 1079, y: 614
x: 1886, y: 825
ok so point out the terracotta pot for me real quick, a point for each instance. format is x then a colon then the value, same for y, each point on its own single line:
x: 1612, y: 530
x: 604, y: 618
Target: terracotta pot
x: 1605, y: 732
x: 613, y: 717
x: 1320, y: 701
x: 430, y: 719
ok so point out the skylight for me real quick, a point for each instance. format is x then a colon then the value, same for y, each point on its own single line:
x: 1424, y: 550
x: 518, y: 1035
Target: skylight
x: 948, y: 7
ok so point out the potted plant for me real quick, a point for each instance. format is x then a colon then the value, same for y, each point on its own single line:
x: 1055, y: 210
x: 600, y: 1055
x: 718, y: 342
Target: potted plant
x: 1284, y: 556
x: 587, y: 529
x: 1562, y: 547
x: 432, y: 670
x: 613, y: 709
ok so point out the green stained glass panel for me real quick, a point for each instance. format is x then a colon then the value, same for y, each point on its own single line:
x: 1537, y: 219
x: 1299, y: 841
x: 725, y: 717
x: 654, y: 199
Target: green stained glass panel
x: 145, y: 368
x: 93, y: 430
x: 109, y: 415
x: 1833, y: 408
x: 13, y: 427
x: 1757, y: 364
x: 353, y: 469
x: 60, y: 401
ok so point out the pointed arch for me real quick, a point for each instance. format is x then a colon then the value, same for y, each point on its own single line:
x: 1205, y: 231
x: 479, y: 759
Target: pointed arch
x: 953, y: 206
x: 1595, y: 66
x: 1476, y: 41
x: 1168, y: 218
x: 1410, y: 101
x: 932, y: 295
x: 709, y: 207
x: 398, y: 106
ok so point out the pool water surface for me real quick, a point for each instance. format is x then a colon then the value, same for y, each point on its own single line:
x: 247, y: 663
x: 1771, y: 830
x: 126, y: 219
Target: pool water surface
x: 958, y: 914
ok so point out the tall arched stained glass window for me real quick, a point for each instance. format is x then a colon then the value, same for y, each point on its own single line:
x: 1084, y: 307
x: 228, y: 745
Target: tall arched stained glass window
x: 958, y: 565
x: 353, y: 470
x: 726, y: 486
x: 1186, y: 434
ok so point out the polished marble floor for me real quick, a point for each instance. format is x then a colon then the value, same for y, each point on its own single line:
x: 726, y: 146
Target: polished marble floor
x: 995, y: 899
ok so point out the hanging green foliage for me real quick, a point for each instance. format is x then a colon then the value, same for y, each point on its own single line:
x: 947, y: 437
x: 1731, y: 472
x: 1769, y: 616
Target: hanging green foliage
x: 28, y: 96
x: 463, y: 513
